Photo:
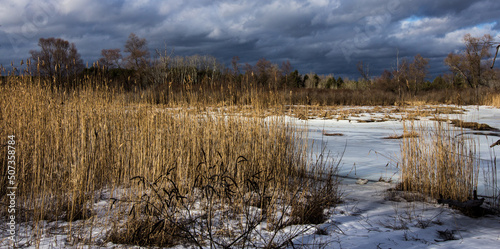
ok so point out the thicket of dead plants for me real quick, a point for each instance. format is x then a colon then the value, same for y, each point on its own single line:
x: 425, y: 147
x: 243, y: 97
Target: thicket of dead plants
x: 196, y: 170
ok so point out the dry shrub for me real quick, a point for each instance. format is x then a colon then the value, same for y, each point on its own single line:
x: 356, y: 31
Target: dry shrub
x: 142, y: 231
x: 228, y: 213
x: 320, y: 195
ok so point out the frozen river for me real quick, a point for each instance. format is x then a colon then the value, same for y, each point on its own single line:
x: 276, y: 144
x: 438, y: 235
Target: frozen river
x: 366, y: 153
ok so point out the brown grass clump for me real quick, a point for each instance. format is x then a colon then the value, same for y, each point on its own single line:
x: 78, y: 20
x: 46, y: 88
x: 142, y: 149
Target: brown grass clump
x: 467, y: 125
x: 406, y: 134
x: 472, y: 125
x: 310, y: 208
x: 439, y: 163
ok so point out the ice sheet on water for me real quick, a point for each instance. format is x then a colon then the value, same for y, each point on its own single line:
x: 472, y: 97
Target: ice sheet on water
x: 364, y: 152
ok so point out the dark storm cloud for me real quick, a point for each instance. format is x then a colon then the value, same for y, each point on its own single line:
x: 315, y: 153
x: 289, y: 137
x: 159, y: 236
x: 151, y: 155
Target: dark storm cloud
x: 316, y: 36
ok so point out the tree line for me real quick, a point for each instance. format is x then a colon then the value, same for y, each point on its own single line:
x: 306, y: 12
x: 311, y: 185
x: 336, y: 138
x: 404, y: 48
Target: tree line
x: 60, y: 61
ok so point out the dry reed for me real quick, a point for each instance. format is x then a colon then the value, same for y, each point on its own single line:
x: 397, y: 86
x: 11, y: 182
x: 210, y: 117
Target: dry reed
x: 440, y: 163
x: 492, y: 99
x: 74, y: 142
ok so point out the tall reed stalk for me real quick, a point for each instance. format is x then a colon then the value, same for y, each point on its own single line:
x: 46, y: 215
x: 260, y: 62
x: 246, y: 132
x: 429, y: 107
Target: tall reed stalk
x: 74, y: 142
x: 441, y: 162
x: 492, y: 99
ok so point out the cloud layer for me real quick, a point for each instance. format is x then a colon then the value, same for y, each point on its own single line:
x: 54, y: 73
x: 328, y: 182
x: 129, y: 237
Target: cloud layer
x: 322, y: 36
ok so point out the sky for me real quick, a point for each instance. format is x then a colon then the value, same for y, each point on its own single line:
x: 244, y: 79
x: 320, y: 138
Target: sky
x: 320, y: 36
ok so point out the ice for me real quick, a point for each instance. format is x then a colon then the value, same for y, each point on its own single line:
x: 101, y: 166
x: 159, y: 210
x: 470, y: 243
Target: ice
x: 365, y: 153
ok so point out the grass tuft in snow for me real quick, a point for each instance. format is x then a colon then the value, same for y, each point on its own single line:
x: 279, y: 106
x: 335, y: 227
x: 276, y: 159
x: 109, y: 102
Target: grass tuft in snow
x: 441, y: 163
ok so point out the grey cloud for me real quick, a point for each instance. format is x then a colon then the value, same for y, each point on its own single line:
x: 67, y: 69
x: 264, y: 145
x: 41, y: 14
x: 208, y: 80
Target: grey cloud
x: 316, y: 36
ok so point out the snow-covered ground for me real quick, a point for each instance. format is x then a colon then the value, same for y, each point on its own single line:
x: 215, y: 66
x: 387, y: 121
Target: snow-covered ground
x: 366, y: 153
x: 369, y: 217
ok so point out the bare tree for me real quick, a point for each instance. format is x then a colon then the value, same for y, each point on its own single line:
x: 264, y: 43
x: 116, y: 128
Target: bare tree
x: 57, y: 59
x: 472, y: 63
x: 235, y: 65
x: 138, y: 57
x: 363, y: 70
x: 263, y: 68
x: 110, y: 58
x: 401, y: 75
x: 286, y: 69
x: 417, y: 72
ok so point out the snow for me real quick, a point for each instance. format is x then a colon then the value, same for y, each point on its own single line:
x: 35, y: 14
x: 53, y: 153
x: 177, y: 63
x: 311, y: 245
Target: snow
x: 369, y: 217
x: 363, y: 151
x: 366, y: 154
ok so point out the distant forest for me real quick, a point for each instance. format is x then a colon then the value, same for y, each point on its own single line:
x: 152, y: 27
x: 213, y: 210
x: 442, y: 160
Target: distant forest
x: 58, y: 62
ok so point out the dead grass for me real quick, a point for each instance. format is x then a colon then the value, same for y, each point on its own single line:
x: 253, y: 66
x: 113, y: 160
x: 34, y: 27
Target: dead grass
x: 493, y: 99
x: 332, y: 134
x: 467, y: 125
x: 472, y: 125
x: 410, y: 134
x: 72, y: 143
x: 355, y: 113
x: 439, y: 163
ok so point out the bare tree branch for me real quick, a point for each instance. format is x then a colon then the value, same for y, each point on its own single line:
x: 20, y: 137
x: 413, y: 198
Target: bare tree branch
x: 493, y: 63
